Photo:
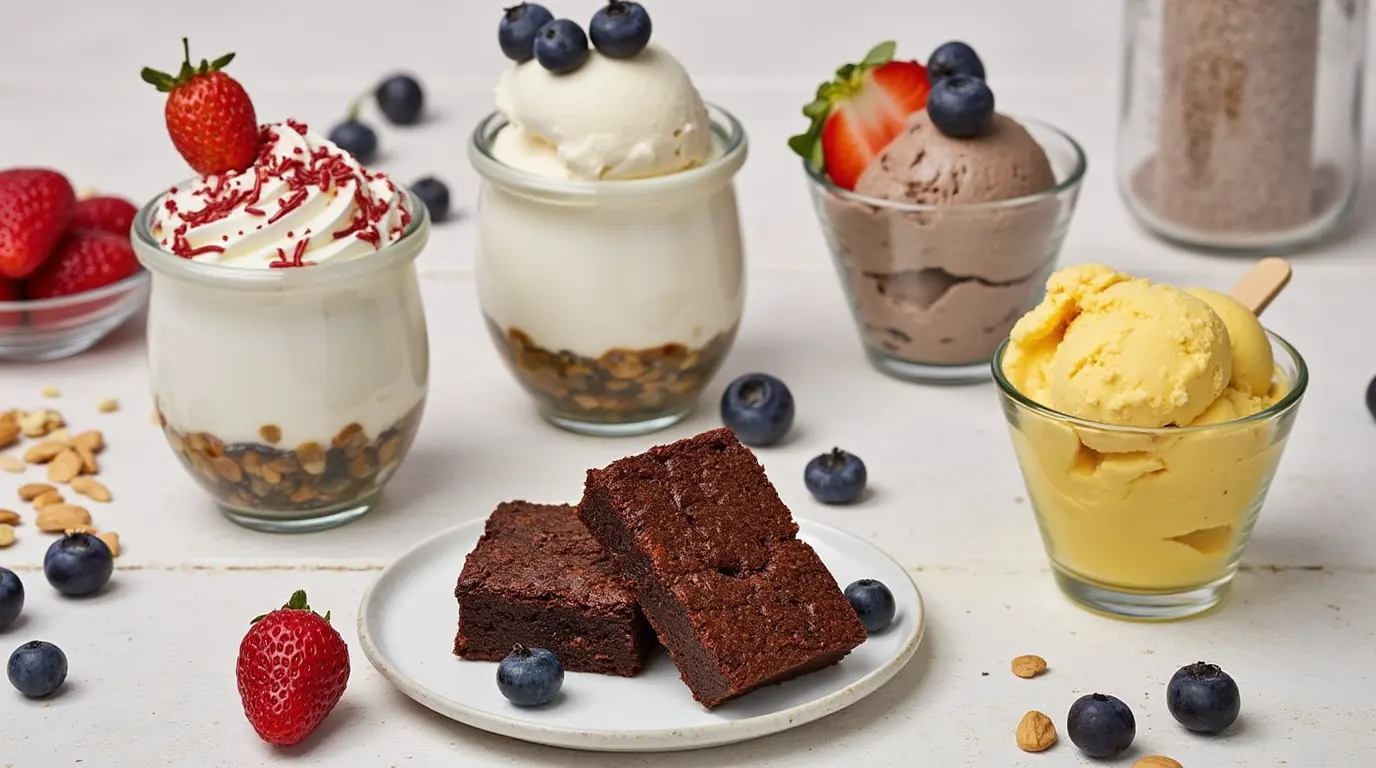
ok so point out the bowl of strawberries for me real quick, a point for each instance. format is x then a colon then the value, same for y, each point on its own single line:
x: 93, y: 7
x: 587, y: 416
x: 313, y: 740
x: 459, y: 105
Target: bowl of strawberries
x: 68, y: 275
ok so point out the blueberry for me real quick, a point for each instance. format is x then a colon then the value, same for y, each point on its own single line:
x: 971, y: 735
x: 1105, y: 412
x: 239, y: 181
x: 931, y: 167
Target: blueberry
x: 873, y: 603
x: 355, y: 138
x: 758, y: 408
x: 961, y: 106
x: 1101, y: 725
x: 78, y: 564
x: 401, y: 99
x: 561, y: 47
x: 1203, y: 697
x: 435, y: 195
x: 1371, y: 398
x: 529, y: 677
x: 11, y: 597
x: 516, y: 32
x: 836, y: 477
x: 37, y: 668
x: 620, y: 29
x: 954, y: 58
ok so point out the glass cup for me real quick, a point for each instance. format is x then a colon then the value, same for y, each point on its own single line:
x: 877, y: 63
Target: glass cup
x: 1149, y: 523
x: 1240, y: 127
x: 935, y: 288
x: 613, y: 303
x: 291, y: 396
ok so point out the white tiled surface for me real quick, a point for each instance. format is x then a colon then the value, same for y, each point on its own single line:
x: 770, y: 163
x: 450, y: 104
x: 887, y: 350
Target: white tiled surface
x: 152, y: 662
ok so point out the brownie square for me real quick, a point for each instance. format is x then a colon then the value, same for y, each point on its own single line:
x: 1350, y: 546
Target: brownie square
x: 536, y: 578
x: 714, y: 557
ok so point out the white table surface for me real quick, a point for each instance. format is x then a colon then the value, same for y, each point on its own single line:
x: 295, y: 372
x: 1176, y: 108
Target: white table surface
x: 152, y: 661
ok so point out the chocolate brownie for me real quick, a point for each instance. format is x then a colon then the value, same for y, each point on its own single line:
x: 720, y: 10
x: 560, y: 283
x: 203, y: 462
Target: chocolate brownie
x: 538, y: 579
x: 719, y: 571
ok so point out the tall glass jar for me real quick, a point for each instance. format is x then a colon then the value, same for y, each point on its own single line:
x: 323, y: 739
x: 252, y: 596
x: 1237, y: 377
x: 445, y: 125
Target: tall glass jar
x: 291, y: 396
x: 1241, y: 119
x: 613, y: 303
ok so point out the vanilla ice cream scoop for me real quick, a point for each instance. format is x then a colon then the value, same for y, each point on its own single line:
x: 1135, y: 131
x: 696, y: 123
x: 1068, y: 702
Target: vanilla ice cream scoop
x: 609, y: 119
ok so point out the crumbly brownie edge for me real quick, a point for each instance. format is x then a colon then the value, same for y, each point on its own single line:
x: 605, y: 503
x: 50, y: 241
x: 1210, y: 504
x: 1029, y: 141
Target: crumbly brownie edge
x: 604, y: 644
x: 695, y: 664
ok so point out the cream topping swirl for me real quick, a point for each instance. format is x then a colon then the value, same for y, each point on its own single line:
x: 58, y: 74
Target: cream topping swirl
x: 304, y: 201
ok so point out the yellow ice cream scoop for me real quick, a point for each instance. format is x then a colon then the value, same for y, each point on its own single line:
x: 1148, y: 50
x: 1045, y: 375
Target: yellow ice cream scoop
x: 1253, y: 363
x: 1119, y: 350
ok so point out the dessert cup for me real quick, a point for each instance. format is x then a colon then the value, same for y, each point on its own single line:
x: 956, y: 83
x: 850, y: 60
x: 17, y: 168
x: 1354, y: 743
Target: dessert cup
x: 613, y: 303
x: 290, y: 395
x: 1149, y: 523
x: 935, y: 288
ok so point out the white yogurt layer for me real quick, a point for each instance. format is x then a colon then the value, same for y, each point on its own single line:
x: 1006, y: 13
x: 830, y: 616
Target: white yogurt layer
x: 310, y: 362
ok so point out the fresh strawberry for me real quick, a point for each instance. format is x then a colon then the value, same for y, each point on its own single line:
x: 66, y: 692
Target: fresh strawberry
x: 292, y: 669
x: 35, y: 208
x: 108, y: 213
x: 856, y: 115
x: 209, y: 115
x: 85, y: 260
x: 9, y: 291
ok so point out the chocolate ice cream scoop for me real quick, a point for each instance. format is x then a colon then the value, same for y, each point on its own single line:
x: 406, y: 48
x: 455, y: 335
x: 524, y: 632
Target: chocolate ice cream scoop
x: 922, y: 165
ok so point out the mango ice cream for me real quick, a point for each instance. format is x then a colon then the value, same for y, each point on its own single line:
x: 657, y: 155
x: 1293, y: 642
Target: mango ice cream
x: 1154, y: 481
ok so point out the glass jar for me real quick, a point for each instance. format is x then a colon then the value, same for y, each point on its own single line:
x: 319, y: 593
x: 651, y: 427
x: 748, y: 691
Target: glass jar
x: 290, y: 395
x: 613, y: 303
x: 1240, y: 126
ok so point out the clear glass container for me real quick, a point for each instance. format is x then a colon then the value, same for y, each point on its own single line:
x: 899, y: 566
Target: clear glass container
x: 1240, y: 123
x: 290, y: 395
x: 613, y: 303
x: 1149, y: 524
x: 51, y: 329
x: 933, y: 289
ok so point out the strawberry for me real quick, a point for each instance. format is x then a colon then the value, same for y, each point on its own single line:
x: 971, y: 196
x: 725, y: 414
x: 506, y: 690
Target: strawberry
x: 35, y: 208
x: 856, y: 115
x: 85, y: 260
x: 292, y: 669
x: 209, y: 115
x: 112, y: 214
x: 9, y: 291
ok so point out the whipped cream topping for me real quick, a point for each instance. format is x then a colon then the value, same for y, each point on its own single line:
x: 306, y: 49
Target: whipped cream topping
x: 304, y: 201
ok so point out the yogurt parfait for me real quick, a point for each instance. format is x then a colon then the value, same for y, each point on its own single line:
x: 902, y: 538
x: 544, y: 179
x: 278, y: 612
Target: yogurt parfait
x: 287, y: 341
x: 610, y: 268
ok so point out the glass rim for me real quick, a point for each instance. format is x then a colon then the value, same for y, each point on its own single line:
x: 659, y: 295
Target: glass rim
x: 1070, y: 182
x: 1287, y: 401
x: 126, y: 285
x: 156, y: 258
x: 723, y: 124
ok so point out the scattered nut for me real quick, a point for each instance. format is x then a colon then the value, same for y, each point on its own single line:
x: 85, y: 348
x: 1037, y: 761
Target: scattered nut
x: 108, y: 406
x: 44, y: 452
x: 60, y: 517
x: 66, y: 466
x: 59, y: 436
x: 111, y: 540
x: 80, y: 529
x: 48, y: 499
x: 39, y: 423
x: 1036, y: 732
x: 9, y: 517
x: 6, y: 535
x: 9, y: 433
x: 52, y: 392
x: 11, y: 463
x: 1029, y: 666
x: 1156, y: 761
x: 31, y: 491
x: 271, y: 434
x: 91, y: 439
x: 91, y: 488
x: 88, y: 460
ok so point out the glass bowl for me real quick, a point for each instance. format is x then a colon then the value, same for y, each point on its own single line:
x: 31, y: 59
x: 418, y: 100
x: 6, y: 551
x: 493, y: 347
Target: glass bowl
x: 51, y: 329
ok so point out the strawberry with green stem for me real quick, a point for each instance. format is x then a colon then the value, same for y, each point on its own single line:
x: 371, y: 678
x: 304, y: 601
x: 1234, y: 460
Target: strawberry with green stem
x: 292, y: 670
x: 857, y: 114
x: 209, y: 115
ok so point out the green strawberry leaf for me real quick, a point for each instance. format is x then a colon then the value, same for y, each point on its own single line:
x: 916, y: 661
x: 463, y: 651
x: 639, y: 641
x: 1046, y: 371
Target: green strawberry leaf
x: 298, y: 601
x: 802, y: 144
x: 221, y: 63
x: 817, y: 108
x: 818, y: 160
x: 845, y: 71
x: 879, y: 54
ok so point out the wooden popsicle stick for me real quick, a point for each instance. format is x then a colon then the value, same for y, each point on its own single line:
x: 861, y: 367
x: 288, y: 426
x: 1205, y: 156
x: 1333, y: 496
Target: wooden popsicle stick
x: 1262, y: 283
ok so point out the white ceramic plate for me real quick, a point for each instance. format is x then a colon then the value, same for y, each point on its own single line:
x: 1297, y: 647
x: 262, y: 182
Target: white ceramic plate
x: 408, y: 618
